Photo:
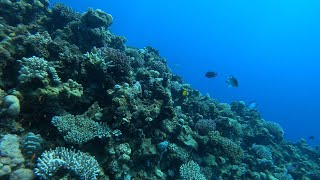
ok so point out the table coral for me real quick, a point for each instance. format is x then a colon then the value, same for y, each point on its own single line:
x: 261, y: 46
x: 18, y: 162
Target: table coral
x: 81, y: 128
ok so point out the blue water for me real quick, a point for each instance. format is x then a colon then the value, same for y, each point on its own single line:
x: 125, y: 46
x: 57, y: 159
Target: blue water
x: 271, y: 46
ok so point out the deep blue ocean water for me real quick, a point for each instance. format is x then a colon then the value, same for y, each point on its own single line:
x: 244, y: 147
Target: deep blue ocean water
x: 272, y: 47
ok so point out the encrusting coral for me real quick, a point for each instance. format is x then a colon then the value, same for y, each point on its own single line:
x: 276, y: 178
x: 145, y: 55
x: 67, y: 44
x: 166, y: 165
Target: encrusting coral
x: 11, y: 157
x: 68, y: 79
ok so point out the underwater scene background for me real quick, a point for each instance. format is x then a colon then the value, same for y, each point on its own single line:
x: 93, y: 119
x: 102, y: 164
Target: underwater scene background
x: 271, y: 46
x: 159, y: 90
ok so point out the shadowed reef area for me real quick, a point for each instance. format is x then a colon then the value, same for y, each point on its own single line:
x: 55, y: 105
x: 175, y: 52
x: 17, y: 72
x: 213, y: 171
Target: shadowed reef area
x: 76, y: 102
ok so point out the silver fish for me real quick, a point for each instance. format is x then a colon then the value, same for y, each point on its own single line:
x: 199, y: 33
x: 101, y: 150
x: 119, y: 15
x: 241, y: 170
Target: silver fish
x: 252, y: 105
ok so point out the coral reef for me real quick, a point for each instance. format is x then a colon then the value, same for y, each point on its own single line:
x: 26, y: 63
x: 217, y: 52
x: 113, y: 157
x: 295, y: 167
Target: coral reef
x: 67, y: 81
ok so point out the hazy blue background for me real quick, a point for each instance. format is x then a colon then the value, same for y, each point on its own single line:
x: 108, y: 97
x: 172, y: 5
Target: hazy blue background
x: 271, y: 46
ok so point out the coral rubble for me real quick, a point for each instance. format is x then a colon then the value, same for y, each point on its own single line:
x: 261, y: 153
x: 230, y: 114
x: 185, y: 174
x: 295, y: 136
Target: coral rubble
x: 67, y: 81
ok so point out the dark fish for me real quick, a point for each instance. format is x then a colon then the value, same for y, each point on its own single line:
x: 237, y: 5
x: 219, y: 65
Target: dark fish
x: 211, y: 74
x: 312, y: 137
x: 232, y: 81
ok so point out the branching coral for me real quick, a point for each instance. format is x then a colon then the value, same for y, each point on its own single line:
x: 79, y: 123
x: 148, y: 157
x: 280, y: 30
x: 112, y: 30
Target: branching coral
x: 205, y: 125
x: 226, y: 146
x: 120, y: 62
x: 191, y: 171
x: 35, y: 68
x: 77, y: 163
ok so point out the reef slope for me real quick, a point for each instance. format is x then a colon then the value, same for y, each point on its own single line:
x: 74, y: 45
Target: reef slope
x: 108, y: 111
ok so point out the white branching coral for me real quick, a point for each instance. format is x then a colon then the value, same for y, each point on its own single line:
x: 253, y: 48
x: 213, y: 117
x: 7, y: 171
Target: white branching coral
x: 191, y: 171
x: 76, y: 163
x: 35, y: 68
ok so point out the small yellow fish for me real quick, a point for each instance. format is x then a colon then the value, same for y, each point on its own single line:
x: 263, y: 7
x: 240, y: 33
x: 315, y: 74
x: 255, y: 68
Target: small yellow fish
x: 12, y: 34
x: 184, y: 92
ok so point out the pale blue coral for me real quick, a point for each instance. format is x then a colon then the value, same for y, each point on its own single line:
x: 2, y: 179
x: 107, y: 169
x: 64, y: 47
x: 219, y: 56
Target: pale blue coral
x: 79, y: 129
x: 37, y: 68
x: 80, y: 164
x: 191, y: 171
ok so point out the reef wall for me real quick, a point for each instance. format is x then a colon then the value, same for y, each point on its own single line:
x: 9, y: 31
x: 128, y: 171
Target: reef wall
x: 78, y: 103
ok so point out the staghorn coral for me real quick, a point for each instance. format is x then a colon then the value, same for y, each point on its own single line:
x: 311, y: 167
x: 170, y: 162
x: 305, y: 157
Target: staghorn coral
x: 78, y: 164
